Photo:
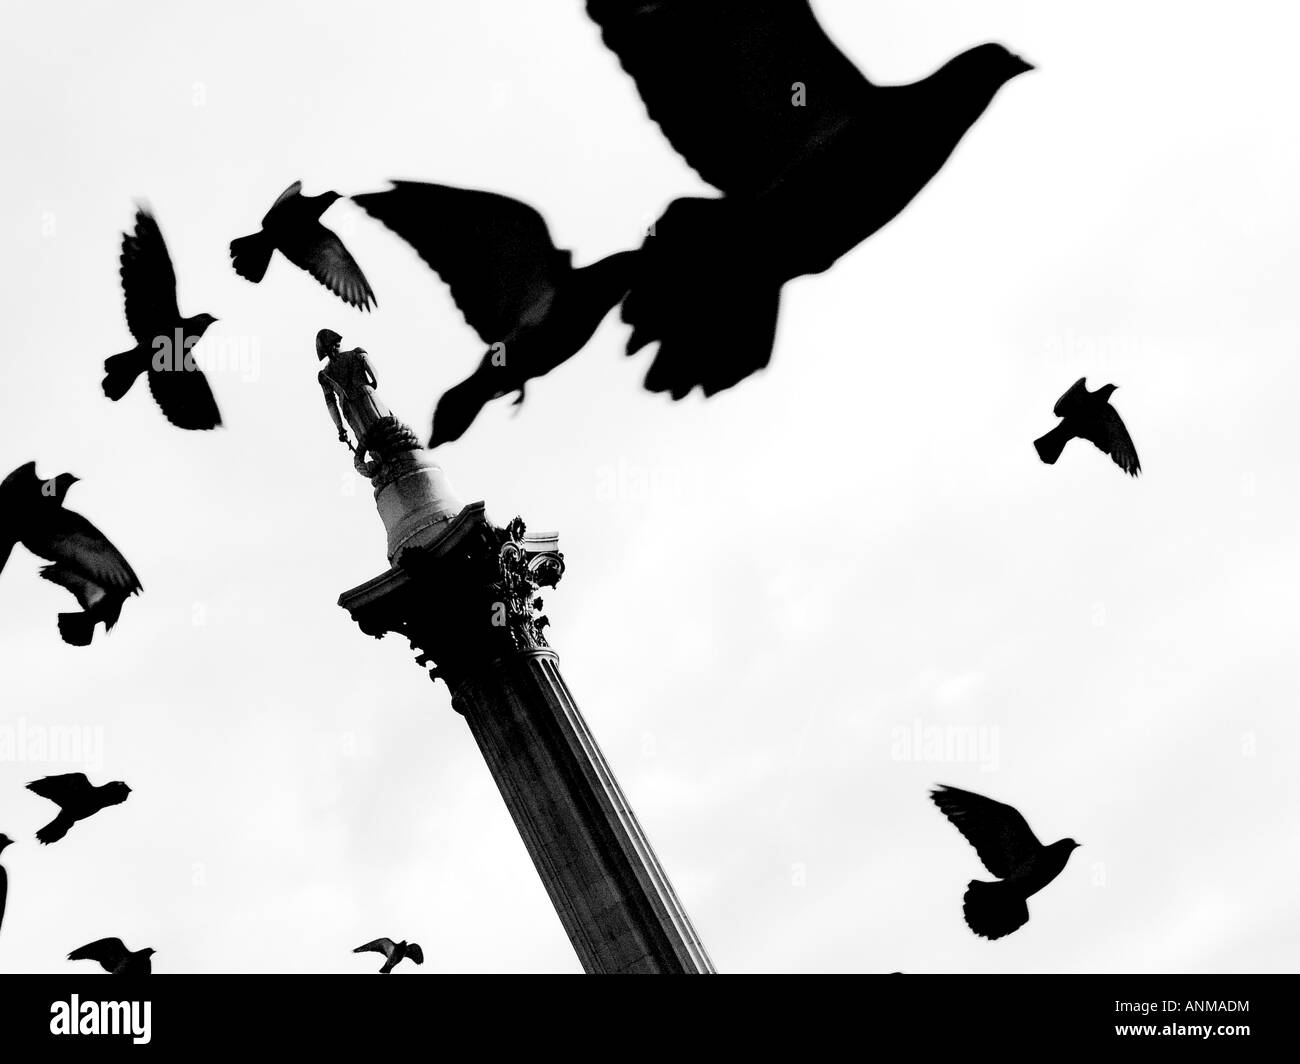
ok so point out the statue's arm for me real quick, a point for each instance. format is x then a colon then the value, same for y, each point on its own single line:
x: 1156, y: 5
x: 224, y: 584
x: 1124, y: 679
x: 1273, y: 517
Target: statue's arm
x: 332, y: 405
x: 371, y: 379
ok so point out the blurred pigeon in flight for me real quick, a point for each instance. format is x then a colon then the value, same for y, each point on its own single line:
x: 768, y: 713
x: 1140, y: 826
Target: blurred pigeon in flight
x: 394, y: 951
x: 1089, y: 416
x: 77, y: 800
x: 112, y: 955
x: 163, y: 339
x: 85, y: 562
x: 293, y: 226
x: 1009, y: 851
x: 812, y: 159
x: 516, y: 289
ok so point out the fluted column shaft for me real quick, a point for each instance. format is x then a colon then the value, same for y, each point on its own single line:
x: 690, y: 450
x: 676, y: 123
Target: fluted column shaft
x: 470, y: 607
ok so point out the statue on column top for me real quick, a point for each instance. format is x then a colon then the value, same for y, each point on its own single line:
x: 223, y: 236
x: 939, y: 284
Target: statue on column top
x: 414, y: 498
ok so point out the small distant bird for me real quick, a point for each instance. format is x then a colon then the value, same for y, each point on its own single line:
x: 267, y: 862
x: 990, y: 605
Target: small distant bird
x: 163, y: 339
x: 516, y: 289
x: 1089, y: 416
x: 5, y: 840
x: 812, y: 159
x: 1010, y: 851
x: 293, y: 226
x: 394, y: 951
x: 85, y: 562
x: 113, y: 956
x: 77, y: 799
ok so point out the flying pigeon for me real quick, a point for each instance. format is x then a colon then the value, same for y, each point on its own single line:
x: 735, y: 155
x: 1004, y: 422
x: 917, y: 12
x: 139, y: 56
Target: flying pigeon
x: 84, y: 561
x: 293, y: 226
x: 76, y: 799
x: 5, y: 840
x: 163, y: 339
x: 113, y: 956
x: 1009, y: 851
x: 1089, y: 416
x: 394, y: 951
x: 811, y: 157
x: 516, y: 289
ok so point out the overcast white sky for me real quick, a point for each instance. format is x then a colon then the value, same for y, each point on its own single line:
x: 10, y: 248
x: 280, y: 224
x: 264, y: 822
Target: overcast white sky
x: 766, y: 593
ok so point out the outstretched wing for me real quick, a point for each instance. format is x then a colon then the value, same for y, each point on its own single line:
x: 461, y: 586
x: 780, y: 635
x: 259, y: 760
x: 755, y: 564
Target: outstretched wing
x: 185, y: 397
x: 494, y: 253
x: 379, y: 945
x: 63, y: 790
x: 21, y: 481
x: 293, y: 190
x: 997, y: 831
x: 741, y: 88
x: 1112, y: 437
x: 110, y: 952
x: 88, y: 593
x: 1074, y: 395
x: 326, y: 259
x: 75, y: 542
x: 148, y: 281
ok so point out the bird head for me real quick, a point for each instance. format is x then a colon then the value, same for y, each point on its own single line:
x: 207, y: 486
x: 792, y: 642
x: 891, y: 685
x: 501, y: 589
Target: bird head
x: 200, y: 322
x: 1106, y: 391
x: 148, y: 952
x: 5, y: 840
x: 116, y: 792
x: 327, y: 343
x: 1069, y: 845
x: 330, y: 198
x: 989, y: 64
x: 57, y: 489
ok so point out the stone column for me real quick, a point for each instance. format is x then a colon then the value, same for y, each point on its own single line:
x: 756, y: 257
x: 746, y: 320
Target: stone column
x: 467, y: 602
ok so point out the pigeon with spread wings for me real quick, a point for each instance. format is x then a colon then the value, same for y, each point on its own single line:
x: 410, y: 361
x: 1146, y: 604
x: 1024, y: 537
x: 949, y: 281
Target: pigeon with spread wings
x: 293, y: 227
x: 112, y: 955
x: 1010, y: 851
x: 395, y: 952
x: 77, y: 799
x: 163, y: 339
x: 812, y: 159
x: 84, y: 561
x: 515, y: 288
x: 1089, y: 416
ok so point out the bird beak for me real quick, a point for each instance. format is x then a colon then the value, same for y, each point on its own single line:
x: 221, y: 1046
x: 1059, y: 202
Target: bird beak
x: 1022, y: 65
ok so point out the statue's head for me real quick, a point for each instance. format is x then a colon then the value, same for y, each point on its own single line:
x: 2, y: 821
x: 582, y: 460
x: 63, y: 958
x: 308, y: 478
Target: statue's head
x: 327, y: 343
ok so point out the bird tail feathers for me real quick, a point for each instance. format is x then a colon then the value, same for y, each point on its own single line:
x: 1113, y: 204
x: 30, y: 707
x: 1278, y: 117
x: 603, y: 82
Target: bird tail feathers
x: 993, y: 910
x: 120, y: 372
x: 700, y: 293
x: 77, y: 629
x: 251, y: 255
x: 1050, y: 446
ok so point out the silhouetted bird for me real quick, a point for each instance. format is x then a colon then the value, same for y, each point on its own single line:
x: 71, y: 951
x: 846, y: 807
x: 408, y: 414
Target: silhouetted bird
x: 5, y: 840
x: 1089, y: 416
x: 76, y: 799
x: 812, y: 157
x: 394, y: 951
x: 293, y: 226
x: 163, y: 339
x: 85, y: 562
x: 516, y: 289
x: 1010, y: 851
x: 113, y: 956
